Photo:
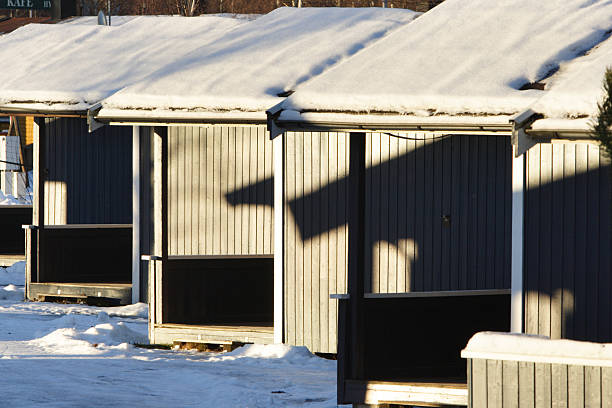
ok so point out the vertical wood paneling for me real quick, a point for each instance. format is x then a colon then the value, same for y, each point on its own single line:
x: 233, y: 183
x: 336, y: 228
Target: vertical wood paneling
x: 567, y: 242
x: 316, y: 242
x: 316, y: 165
x: 447, y: 210
x: 526, y: 384
x: 333, y: 241
x: 496, y: 383
x: 239, y: 184
x: 404, y: 213
x: 195, y: 205
x: 592, y: 230
x: 557, y: 226
x: 606, y: 386
x: 206, y: 166
x: 437, y: 211
x: 479, y: 383
x: 510, y: 387
x: 308, y: 228
x: 299, y: 245
x: 545, y: 237
x: 559, y: 385
x: 604, y: 281
x: 593, y: 387
x: 223, y: 188
x: 543, y: 385
x: 88, y: 178
x: 575, y: 386
x: 324, y: 246
x: 291, y: 240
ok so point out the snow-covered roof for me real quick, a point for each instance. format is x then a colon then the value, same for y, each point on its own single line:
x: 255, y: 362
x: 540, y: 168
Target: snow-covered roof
x: 72, y: 66
x: 461, y: 58
x: 255, y: 64
x: 573, y: 93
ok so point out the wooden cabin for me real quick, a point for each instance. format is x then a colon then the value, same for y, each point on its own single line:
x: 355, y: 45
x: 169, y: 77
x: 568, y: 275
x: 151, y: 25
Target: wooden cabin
x: 562, y: 200
x: 218, y: 270
x: 430, y: 190
x: 82, y: 212
x: 79, y: 244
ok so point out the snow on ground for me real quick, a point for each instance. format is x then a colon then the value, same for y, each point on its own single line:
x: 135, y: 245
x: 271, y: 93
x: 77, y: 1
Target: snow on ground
x: 461, y: 58
x: 7, y: 199
x: 58, y: 355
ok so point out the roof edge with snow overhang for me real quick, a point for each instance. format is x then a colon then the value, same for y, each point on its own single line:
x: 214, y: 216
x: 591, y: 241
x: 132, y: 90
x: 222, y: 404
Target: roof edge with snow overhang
x: 290, y: 120
x: 178, y: 117
x: 43, y: 109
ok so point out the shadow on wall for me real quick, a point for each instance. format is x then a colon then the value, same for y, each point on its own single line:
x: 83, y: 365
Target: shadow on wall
x: 437, y: 212
x: 567, y: 270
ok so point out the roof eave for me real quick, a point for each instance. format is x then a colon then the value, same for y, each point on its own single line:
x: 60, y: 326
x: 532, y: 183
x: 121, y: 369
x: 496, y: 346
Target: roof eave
x: 137, y: 118
x: 357, y: 125
x: 574, y: 134
x: 40, y: 112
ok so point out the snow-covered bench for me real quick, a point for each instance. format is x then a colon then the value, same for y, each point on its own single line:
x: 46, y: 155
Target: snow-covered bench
x: 507, y: 369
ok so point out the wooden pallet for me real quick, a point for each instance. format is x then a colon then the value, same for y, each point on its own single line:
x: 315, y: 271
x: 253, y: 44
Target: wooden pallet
x: 207, y: 346
x: 99, y: 294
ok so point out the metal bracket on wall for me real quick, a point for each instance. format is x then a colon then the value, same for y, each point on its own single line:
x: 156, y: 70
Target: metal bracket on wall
x: 92, y: 123
x: 150, y: 258
x: 520, y: 138
x: 273, y: 113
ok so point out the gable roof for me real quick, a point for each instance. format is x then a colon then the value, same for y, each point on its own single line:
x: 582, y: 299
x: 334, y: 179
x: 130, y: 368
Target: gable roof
x: 460, y: 60
x: 257, y: 64
x: 69, y: 67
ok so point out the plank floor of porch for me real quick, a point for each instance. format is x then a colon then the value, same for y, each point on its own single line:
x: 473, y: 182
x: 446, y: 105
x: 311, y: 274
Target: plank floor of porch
x: 423, y: 392
x: 89, y: 284
x: 239, y: 327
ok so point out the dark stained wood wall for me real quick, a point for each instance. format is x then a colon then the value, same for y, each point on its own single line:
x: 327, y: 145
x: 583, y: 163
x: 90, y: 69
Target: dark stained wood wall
x: 88, y: 177
x: 438, y: 212
x: 438, y: 218
x: 205, y: 165
x: 567, y: 276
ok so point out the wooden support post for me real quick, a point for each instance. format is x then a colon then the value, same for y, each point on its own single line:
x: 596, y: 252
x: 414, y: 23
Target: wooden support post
x: 38, y: 204
x: 356, y: 254
x: 160, y: 225
x: 516, y: 309
x: 279, y: 236
x: 343, y: 345
x: 136, y: 214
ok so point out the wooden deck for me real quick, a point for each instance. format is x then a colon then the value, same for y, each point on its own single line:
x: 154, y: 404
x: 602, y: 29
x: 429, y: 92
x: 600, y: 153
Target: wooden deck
x: 433, y: 394
x: 248, y: 333
x: 113, y: 293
